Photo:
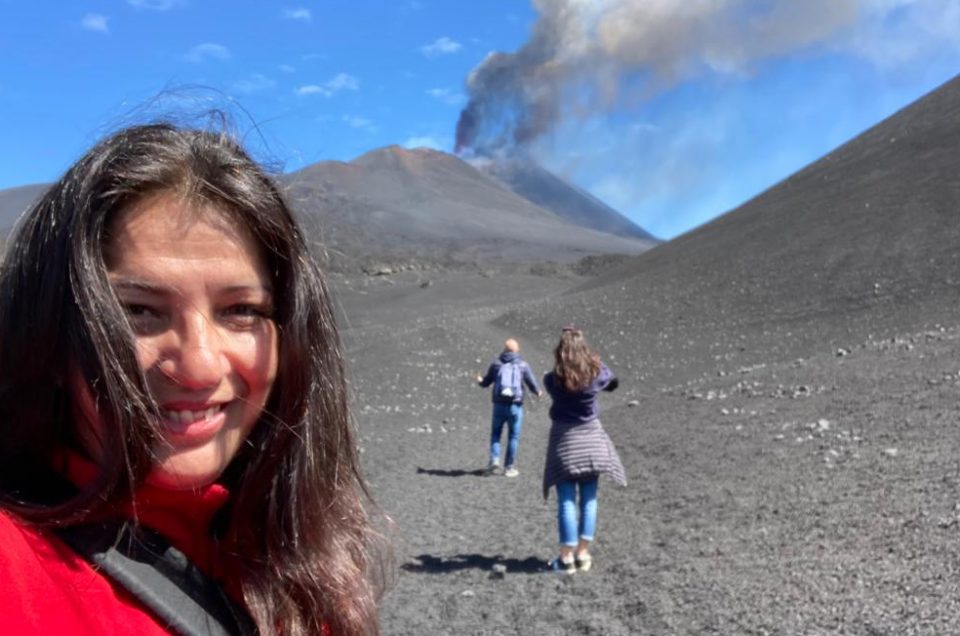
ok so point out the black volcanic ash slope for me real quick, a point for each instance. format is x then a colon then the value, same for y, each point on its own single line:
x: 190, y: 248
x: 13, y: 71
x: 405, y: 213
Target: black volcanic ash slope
x: 863, y: 241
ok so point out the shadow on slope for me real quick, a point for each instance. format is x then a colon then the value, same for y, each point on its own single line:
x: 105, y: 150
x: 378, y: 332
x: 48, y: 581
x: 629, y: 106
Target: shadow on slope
x: 450, y: 472
x: 443, y: 565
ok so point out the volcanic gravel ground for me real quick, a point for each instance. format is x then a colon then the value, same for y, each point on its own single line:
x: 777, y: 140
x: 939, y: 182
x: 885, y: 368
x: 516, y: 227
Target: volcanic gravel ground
x: 778, y: 484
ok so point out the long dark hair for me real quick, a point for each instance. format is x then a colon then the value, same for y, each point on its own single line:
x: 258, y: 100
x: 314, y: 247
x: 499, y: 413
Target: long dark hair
x: 576, y: 365
x: 296, y: 529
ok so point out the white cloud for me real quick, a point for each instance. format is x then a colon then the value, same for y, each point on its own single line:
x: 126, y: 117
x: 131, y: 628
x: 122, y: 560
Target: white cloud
x: 286, y: 68
x: 340, y: 82
x: 95, y: 22
x: 359, y: 122
x: 423, y: 141
x: 155, y: 5
x: 208, y: 51
x: 900, y: 34
x: 343, y: 81
x: 300, y: 13
x: 447, y: 96
x: 441, y: 46
x: 253, y: 84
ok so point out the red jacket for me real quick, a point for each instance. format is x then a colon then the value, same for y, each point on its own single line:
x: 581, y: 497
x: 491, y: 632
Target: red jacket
x: 45, y: 588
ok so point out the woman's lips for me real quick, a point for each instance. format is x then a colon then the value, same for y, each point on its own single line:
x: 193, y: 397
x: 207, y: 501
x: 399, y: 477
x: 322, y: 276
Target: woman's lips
x: 194, y: 424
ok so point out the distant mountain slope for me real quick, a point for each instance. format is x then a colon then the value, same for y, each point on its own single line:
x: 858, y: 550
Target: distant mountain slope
x: 536, y: 184
x: 394, y: 202
x: 14, y: 201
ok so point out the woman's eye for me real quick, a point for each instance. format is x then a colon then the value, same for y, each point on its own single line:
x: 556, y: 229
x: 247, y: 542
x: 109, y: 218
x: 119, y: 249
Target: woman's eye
x: 246, y: 314
x: 143, y: 318
x: 135, y: 311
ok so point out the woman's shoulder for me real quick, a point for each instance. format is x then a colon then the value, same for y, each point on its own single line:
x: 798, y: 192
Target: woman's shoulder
x: 47, y: 588
x: 30, y: 557
x: 29, y: 570
x: 17, y: 538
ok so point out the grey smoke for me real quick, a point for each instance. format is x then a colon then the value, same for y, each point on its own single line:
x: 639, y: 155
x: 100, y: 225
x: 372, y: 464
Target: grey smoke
x: 588, y: 56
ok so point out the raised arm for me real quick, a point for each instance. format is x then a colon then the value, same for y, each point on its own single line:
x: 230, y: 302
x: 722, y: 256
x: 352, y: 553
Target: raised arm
x: 606, y: 380
x: 486, y: 380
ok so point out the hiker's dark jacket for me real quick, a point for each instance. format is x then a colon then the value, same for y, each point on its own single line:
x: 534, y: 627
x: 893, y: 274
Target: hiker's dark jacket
x: 528, y: 379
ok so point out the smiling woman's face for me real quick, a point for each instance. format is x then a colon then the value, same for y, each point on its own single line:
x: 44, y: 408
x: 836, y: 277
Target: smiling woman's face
x: 199, y: 299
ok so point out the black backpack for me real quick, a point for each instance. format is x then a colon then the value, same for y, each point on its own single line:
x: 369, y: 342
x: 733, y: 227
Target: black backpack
x: 186, y: 600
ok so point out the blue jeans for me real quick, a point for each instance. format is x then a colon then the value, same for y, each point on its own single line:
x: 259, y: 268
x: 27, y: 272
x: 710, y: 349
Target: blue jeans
x: 570, y: 530
x: 512, y: 416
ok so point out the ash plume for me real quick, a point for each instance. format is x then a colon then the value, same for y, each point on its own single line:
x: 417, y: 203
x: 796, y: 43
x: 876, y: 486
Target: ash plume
x: 586, y: 57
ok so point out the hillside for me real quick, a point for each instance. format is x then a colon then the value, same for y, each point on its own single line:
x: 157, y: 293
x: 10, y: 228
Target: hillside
x: 862, y: 241
x: 425, y: 204
x: 14, y: 201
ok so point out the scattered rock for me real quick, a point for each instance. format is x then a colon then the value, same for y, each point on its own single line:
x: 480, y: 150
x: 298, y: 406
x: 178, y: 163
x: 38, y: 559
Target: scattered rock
x: 378, y: 270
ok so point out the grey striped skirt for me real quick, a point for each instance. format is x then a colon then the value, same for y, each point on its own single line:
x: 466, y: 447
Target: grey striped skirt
x: 580, y: 450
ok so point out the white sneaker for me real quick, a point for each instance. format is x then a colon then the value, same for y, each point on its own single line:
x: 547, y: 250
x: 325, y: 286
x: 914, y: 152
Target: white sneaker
x: 511, y: 472
x: 491, y: 468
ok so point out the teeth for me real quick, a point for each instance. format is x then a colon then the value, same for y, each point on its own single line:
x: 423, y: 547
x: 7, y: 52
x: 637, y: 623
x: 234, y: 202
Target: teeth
x: 185, y: 417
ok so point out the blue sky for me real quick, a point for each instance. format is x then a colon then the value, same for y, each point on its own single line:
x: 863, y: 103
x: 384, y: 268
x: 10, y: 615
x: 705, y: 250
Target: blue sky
x: 671, y: 111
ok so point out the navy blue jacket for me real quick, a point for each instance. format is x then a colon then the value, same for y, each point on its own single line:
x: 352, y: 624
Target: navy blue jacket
x: 578, y: 406
x: 526, y: 374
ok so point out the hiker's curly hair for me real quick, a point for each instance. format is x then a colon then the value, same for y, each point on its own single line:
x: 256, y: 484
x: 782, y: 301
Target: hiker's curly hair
x: 576, y: 365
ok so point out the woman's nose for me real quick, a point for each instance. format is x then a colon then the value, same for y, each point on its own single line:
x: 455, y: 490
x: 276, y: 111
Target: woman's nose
x: 195, y: 361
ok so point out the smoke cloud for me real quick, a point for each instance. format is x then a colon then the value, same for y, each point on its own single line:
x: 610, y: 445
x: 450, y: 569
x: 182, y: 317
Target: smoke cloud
x: 587, y: 57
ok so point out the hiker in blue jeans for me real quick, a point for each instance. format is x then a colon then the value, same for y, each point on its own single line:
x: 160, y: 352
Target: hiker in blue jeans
x: 579, y: 450
x: 508, y: 374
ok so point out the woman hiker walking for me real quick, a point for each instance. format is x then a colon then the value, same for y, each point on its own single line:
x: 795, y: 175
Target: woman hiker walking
x: 579, y: 450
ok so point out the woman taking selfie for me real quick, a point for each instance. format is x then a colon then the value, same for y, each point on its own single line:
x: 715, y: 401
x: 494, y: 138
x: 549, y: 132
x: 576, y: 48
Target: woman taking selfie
x: 172, y: 384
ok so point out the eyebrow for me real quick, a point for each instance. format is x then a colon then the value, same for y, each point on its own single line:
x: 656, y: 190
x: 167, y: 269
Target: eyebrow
x: 138, y: 284
x: 150, y: 287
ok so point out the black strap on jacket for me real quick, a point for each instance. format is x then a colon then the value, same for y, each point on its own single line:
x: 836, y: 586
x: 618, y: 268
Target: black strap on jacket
x: 143, y: 562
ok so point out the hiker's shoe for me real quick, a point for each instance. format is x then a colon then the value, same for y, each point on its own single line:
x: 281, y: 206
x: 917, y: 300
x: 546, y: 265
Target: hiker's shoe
x: 511, y: 472
x: 584, y: 562
x: 491, y: 468
x: 564, y: 565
